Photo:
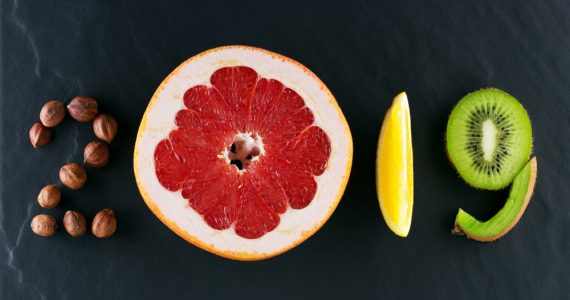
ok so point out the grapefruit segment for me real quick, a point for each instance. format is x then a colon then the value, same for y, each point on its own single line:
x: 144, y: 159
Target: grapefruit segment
x: 222, y: 211
x: 192, y: 156
x: 310, y: 149
x: 211, y: 110
x: 191, y: 144
x: 204, y: 195
x: 286, y: 105
x: 176, y: 160
x: 236, y: 85
x: 298, y: 184
x: 168, y: 166
x: 269, y: 190
x: 287, y: 128
x: 203, y: 192
x: 193, y: 120
x: 243, y: 152
x: 255, y: 217
x: 267, y: 92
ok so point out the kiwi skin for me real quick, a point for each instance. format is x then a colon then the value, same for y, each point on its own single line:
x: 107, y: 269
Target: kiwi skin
x: 457, y: 230
x: 509, y: 172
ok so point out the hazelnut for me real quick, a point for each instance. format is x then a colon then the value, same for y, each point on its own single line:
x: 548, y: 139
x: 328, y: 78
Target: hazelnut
x: 52, y: 113
x: 49, y: 196
x: 96, y: 154
x: 105, y: 127
x: 104, y: 224
x: 40, y: 135
x: 44, y: 225
x: 74, y: 223
x: 83, y: 108
x: 73, y: 176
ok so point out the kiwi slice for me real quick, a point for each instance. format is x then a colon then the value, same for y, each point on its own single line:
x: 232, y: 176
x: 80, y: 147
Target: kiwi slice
x: 489, y: 138
x: 507, y: 217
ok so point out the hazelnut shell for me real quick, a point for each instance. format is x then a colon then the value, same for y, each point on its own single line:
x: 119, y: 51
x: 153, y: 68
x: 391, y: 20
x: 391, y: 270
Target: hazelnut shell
x: 44, y: 225
x: 40, y: 135
x: 104, y: 224
x: 105, y: 127
x: 49, y: 196
x: 73, y: 176
x: 83, y: 108
x: 96, y: 154
x: 52, y: 113
x: 75, y: 223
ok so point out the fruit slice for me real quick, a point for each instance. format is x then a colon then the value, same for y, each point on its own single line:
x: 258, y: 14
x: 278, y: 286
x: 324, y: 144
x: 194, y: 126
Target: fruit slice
x: 519, y: 196
x: 243, y: 152
x: 489, y: 138
x: 395, y: 167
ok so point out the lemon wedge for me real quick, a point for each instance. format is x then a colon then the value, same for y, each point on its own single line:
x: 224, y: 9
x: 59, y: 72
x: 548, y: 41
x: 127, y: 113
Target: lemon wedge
x: 395, y: 167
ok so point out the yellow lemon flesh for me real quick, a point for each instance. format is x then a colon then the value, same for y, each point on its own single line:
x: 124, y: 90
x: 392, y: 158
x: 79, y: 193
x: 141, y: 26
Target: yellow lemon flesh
x: 395, y: 167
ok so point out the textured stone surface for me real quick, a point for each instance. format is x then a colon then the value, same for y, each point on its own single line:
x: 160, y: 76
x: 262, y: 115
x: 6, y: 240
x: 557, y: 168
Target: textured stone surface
x: 366, y: 52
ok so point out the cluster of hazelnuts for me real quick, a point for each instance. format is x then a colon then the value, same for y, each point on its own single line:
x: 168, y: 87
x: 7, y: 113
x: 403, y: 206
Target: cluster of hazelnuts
x: 72, y: 175
x: 104, y: 223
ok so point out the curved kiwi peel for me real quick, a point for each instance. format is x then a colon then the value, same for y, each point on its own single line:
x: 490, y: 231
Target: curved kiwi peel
x: 488, y: 138
x: 519, y: 197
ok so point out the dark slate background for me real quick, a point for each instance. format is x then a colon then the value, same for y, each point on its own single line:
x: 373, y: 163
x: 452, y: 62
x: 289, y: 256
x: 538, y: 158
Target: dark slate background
x: 366, y: 52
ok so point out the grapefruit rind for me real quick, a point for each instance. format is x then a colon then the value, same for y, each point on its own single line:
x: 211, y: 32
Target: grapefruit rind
x: 296, y: 225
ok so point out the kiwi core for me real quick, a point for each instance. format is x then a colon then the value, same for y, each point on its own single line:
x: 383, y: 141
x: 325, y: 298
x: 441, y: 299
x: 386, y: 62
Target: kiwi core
x: 489, y: 139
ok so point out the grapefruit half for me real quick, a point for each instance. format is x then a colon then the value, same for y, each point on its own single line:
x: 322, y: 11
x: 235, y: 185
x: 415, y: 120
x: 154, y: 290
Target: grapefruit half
x: 243, y: 152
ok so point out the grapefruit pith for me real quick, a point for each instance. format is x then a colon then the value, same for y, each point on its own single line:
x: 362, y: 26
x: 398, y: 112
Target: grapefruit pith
x: 243, y: 152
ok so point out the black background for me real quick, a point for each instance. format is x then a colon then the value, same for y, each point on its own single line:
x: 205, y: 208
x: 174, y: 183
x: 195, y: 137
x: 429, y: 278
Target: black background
x: 366, y: 52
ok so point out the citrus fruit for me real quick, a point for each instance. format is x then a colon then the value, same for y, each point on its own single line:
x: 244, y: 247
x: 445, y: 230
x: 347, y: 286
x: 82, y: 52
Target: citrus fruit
x: 395, y: 167
x: 243, y: 152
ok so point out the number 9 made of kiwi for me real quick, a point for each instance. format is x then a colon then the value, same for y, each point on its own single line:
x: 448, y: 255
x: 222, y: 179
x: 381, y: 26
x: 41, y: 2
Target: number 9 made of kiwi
x: 489, y: 142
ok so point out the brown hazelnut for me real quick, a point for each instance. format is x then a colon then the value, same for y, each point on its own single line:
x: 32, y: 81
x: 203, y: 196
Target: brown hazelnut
x: 73, y: 176
x: 83, y: 108
x: 44, y: 225
x: 40, y: 135
x: 105, y: 127
x: 74, y: 223
x: 49, y: 196
x: 104, y: 224
x: 52, y: 113
x: 96, y: 154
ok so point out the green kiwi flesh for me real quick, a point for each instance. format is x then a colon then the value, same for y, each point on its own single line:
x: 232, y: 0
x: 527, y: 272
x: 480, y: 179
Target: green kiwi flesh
x: 488, y: 138
x: 519, y: 197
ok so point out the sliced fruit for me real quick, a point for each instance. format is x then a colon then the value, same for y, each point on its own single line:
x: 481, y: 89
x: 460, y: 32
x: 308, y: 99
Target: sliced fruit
x: 489, y: 138
x: 243, y: 152
x: 519, y: 197
x: 395, y: 167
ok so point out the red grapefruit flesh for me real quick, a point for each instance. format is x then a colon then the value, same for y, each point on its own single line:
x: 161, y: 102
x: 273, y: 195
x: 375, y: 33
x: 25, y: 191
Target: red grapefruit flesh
x: 258, y: 150
x: 225, y: 196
